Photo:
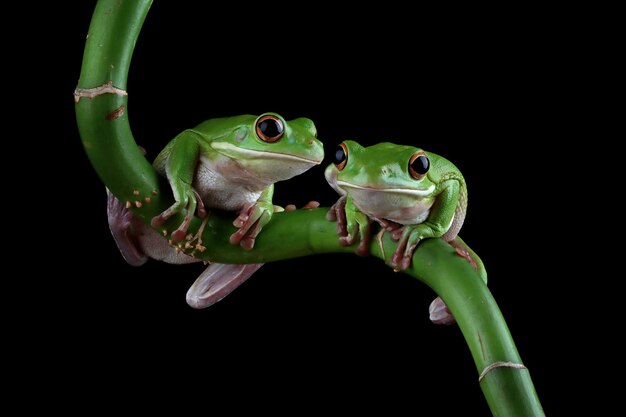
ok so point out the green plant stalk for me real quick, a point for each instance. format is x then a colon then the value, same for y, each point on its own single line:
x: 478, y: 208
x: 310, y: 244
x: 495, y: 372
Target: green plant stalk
x: 111, y: 148
x: 103, y: 120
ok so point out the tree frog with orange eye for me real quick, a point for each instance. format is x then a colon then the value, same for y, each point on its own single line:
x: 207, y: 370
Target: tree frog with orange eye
x: 228, y: 164
x: 411, y: 193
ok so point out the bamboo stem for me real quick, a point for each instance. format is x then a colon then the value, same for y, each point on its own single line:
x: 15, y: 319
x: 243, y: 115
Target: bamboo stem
x: 101, y: 102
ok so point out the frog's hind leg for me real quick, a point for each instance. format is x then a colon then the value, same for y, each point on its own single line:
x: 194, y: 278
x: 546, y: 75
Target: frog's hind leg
x: 124, y: 228
x: 217, y: 281
x: 439, y: 312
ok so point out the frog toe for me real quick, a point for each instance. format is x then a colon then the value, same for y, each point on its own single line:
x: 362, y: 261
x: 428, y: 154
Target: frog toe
x: 179, y: 234
x: 124, y: 226
x: 250, y: 222
x: 439, y: 313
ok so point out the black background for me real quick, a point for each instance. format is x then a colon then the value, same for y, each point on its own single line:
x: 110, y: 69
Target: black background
x: 332, y: 331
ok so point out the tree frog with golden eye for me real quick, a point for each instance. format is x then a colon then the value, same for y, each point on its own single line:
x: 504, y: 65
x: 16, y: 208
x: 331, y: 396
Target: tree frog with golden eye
x: 228, y: 164
x: 411, y: 193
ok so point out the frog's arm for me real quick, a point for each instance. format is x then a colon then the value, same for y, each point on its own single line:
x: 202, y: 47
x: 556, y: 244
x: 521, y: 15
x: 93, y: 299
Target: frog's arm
x: 252, y: 219
x: 178, y: 162
x: 437, y: 224
x: 351, y: 222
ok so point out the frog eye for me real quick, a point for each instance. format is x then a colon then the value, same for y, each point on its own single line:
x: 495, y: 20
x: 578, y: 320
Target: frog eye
x: 341, y: 156
x: 269, y: 128
x: 418, y: 165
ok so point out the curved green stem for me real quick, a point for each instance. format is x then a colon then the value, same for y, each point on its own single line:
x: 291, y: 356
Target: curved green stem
x: 101, y: 112
x: 107, y: 138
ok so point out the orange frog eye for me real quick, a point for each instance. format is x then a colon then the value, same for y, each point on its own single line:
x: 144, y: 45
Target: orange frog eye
x: 341, y: 156
x: 270, y: 128
x: 418, y: 165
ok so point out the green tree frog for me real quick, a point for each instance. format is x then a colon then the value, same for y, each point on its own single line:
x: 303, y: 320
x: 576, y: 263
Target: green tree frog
x: 227, y: 164
x: 412, y: 194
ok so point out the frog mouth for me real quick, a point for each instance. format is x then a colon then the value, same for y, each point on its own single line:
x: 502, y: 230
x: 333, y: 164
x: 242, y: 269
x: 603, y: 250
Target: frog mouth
x: 233, y: 151
x: 286, y: 157
x: 405, y: 191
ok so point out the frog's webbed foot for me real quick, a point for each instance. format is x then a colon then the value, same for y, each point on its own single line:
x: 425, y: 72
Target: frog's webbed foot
x: 408, y: 238
x: 191, y: 203
x: 463, y: 253
x: 337, y: 212
x: 253, y: 218
x: 217, y: 281
x: 351, y: 223
x: 250, y: 223
x: 439, y: 312
x: 124, y: 226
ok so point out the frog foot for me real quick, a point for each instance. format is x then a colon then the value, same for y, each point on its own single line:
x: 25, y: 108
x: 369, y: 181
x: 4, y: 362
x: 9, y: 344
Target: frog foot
x: 253, y: 218
x: 193, y: 242
x: 310, y: 205
x: 125, y: 228
x: 408, y: 238
x: 217, y: 281
x: 337, y: 212
x: 464, y: 254
x: 350, y: 225
x: 439, y: 312
x: 191, y: 203
x: 250, y: 223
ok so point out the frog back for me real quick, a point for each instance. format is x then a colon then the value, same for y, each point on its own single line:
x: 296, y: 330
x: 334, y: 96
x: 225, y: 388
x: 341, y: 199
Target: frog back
x: 205, y: 133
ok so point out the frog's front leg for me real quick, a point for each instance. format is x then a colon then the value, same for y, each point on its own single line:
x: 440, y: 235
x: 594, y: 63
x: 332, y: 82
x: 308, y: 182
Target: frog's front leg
x: 351, y: 223
x: 179, y: 162
x: 439, y: 220
x: 252, y: 219
x: 255, y: 216
x: 408, y: 236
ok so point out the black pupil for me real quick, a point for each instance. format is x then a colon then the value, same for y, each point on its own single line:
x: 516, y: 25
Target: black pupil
x: 420, y: 165
x: 340, y: 155
x: 271, y: 128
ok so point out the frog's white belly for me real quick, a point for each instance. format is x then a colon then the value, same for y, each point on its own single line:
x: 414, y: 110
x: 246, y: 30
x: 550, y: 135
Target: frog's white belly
x: 414, y: 213
x: 226, y: 186
x: 402, y: 206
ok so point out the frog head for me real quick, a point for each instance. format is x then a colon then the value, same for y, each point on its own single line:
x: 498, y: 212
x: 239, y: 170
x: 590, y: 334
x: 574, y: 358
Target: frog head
x: 268, y: 146
x: 385, y: 180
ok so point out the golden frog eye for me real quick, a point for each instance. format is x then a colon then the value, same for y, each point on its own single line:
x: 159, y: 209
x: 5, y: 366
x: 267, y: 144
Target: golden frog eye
x: 269, y: 128
x: 341, y: 156
x: 418, y: 165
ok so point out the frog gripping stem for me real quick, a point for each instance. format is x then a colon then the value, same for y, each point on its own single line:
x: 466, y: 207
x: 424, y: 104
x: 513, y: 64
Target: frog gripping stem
x: 112, y: 150
x: 189, y: 203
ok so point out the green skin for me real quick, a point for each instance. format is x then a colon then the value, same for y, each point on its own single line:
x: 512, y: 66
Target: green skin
x: 376, y: 183
x: 113, y: 152
x: 228, y: 164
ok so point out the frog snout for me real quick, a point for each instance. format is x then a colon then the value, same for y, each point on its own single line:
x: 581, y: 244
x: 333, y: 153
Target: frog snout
x: 316, y: 150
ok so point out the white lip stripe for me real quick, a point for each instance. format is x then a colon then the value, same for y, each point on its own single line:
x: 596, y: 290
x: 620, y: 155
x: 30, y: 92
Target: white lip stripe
x: 408, y: 191
x: 251, y: 153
